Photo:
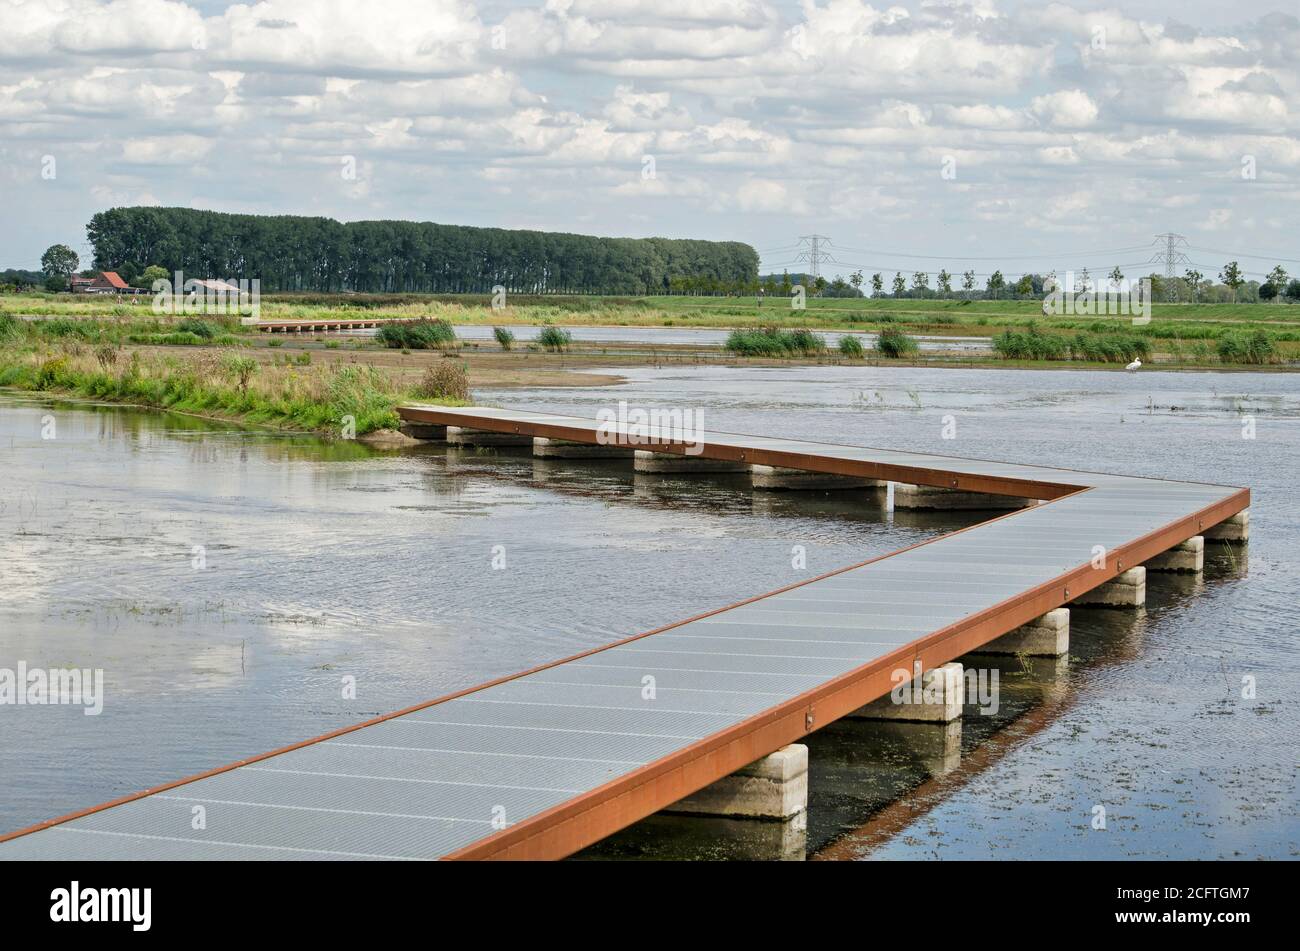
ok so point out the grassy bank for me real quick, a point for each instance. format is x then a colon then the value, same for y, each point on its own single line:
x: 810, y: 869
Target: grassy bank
x: 218, y: 381
x: 1191, y: 335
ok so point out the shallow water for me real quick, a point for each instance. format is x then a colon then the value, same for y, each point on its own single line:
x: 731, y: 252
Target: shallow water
x: 693, y: 336
x: 328, y: 561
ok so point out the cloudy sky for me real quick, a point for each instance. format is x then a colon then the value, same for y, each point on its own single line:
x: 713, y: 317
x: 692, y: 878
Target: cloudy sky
x: 994, y: 133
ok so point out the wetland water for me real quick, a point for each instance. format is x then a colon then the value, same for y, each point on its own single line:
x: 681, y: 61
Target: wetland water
x: 325, y: 561
x: 694, y: 336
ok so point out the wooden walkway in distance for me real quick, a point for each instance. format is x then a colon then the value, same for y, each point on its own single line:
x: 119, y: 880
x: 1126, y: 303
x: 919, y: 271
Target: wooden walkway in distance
x: 328, y: 325
x: 570, y: 752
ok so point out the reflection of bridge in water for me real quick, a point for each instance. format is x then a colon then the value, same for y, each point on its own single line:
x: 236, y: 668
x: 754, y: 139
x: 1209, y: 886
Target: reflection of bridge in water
x: 547, y: 762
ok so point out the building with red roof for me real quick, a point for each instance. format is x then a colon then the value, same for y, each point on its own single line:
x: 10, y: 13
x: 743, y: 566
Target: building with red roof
x: 105, y: 282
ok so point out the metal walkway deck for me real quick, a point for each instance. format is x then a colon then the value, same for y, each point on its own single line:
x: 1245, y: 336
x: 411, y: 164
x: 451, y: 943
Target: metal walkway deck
x: 568, y: 753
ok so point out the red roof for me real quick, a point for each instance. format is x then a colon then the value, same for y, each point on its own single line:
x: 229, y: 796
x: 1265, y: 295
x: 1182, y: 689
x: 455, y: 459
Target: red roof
x: 112, y: 278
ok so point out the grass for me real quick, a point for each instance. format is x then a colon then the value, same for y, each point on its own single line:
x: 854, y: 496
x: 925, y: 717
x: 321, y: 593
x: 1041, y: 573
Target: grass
x: 418, y: 335
x: 1173, y: 331
x: 554, y: 338
x: 1247, y: 347
x: 504, y: 337
x: 218, y: 382
x: 851, y: 347
x: 445, y: 380
x: 775, y: 342
x: 892, y: 342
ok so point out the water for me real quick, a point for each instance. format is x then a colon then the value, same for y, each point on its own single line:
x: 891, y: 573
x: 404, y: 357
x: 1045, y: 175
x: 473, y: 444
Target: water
x: 693, y: 336
x: 331, y: 561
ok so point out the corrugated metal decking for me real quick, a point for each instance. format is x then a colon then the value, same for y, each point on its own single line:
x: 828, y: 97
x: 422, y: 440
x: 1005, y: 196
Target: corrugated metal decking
x: 568, y: 753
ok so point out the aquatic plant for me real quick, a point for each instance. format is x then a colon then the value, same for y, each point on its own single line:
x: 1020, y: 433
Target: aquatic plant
x: 892, y: 342
x: 554, y: 338
x: 446, y: 379
x: 851, y: 346
x: 417, y: 335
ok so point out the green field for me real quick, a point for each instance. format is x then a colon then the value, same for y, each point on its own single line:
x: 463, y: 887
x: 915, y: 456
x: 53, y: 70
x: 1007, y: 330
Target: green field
x: 1178, y: 334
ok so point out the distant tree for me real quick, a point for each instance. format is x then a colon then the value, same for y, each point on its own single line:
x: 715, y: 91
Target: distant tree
x: 1194, y: 279
x: 819, y: 284
x: 900, y: 285
x: 1085, y: 281
x: 1050, y: 283
x: 59, y: 262
x: 968, y: 283
x: 1157, y: 285
x: 1268, y: 290
x: 786, y: 284
x: 1293, y: 290
x: 1232, y: 277
x: 945, y: 282
x: 1116, y: 277
x: 877, y: 284
x: 921, y: 283
x: 856, y: 280
x: 1277, y: 277
x: 1025, y: 286
x: 996, y: 284
x: 152, y: 273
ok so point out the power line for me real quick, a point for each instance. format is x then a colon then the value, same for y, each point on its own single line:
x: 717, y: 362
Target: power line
x: 999, y: 257
x: 815, y: 254
x: 1171, y: 255
x: 1243, y: 254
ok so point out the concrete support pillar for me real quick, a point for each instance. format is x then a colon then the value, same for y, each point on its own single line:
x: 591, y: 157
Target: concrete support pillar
x: 1127, y: 590
x: 427, y: 431
x: 907, y: 496
x: 935, y: 747
x: 1187, y: 557
x: 934, y: 697
x: 545, y: 447
x: 460, y: 436
x: 774, y: 787
x: 647, y: 461
x: 1045, y: 636
x: 777, y: 478
x: 1235, y: 530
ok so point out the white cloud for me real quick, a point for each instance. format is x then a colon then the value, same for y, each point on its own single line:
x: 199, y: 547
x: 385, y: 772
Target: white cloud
x: 1066, y: 109
x: 757, y: 114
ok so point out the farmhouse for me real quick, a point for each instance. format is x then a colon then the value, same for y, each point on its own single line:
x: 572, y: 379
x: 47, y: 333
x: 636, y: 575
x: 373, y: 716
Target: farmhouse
x: 105, y: 282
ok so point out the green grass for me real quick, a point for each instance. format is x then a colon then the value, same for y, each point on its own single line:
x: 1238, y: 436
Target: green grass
x: 419, y: 335
x: 1247, y: 347
x: 775, y: 342
x: 1172, y: 333
x: 851, y: 347
x: 554, y: 338
x: 893, y: 343
x: 291, y: 393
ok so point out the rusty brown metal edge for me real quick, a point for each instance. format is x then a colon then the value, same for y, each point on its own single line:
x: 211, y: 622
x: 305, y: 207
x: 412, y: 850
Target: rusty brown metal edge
x: 591, y: 816
x: 492, y: 422
x: 216, y: 771
x: 966, y: 482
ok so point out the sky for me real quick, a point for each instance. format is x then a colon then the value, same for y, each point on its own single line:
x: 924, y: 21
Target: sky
x: 1011, y: 135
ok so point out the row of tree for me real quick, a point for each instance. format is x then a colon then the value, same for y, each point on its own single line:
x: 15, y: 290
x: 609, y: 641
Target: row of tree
x: 1192, y: 287
x: 290, y: 253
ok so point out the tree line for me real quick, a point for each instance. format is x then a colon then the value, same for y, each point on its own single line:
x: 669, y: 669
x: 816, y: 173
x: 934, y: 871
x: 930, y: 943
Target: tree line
x: 293, y: 253
x: 1192, y: 287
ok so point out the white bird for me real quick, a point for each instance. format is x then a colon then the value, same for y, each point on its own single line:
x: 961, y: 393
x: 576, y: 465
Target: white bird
x: 1134, y: 365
